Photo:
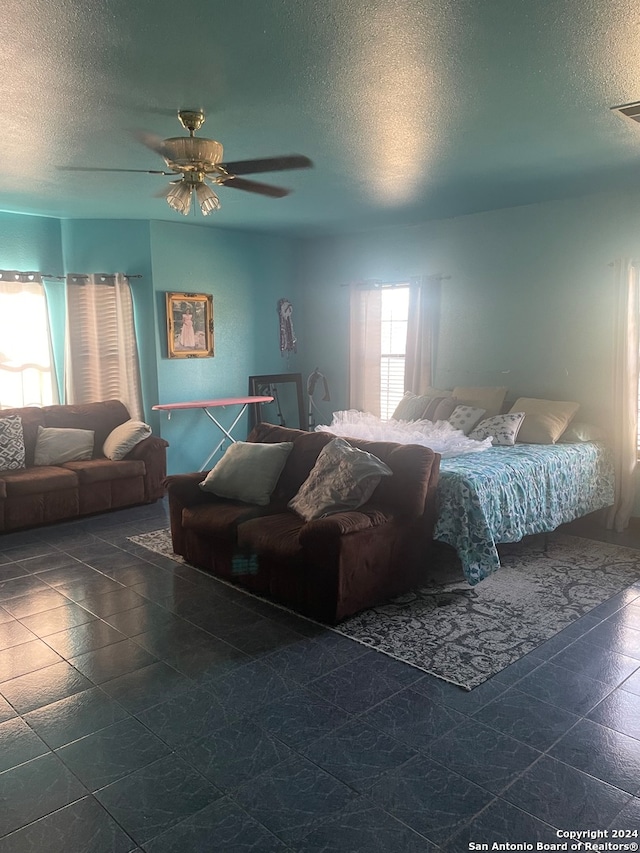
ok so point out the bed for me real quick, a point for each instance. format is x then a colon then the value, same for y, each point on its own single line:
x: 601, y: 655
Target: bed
x: 506, y: 493
x: 492, y: 495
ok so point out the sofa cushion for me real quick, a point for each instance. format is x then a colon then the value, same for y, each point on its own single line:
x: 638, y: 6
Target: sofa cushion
x: 306, y: 447
x: 101, y: 417
x: 100, y: 470
x: 124, y: 438
x: 12, y: 453
x: 218, y: 520
x: 34, y: 481
x: 248, y: 472
x: 343, y: 478
x: 277, y: 535
x: 54, y: 446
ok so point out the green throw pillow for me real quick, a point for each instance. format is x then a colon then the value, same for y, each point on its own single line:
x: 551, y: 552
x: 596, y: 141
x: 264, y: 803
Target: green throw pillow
x: 248, y: 471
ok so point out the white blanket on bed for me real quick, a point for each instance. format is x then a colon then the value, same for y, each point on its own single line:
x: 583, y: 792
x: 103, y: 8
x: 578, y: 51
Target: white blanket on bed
x: 439, y: 436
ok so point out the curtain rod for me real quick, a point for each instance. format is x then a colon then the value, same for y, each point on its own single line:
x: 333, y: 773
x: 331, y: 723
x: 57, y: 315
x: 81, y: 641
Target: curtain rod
x: 52, y: 277
x: 84, y: 275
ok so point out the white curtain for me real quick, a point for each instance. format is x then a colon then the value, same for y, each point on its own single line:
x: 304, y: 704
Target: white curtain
x: 365, y: 345
x: 26, y: 374
x: 101, y: 358
x: 625, y: 390
x: 424, y: 296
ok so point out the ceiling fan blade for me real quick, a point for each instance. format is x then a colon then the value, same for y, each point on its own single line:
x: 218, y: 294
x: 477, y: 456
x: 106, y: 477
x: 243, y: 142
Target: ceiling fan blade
x: 268, y: 164
x: 99, y: 169
x: 152, y: 141
x: 255, y: 187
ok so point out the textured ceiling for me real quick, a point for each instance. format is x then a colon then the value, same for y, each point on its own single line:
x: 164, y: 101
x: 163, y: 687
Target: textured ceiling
x: 410, y: 109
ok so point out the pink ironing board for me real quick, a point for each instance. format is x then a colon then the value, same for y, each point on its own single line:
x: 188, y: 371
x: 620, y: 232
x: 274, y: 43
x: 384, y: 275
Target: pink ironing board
x: 205, y: 405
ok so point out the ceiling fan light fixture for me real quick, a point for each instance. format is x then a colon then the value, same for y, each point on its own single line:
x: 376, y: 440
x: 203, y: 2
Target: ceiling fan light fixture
x: 179, y: 196
x: 207, y: 199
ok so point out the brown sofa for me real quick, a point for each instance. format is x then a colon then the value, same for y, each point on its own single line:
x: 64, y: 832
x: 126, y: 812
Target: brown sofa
x: 328, y: 568
x: 43, y: 494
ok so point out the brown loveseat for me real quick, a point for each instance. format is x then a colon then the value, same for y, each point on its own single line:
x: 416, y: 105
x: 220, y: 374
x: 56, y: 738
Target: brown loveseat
x: 328, y: 568
x: 41, y: 494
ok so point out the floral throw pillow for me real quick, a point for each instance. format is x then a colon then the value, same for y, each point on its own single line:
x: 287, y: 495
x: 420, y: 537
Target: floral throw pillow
x: 503, y: 429
x: 465, y: 418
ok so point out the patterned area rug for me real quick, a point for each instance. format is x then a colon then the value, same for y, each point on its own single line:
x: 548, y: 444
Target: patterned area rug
x: 464, y: 634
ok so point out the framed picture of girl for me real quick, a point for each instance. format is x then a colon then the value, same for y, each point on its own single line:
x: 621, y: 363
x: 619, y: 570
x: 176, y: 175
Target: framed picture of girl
x: 190, y: 325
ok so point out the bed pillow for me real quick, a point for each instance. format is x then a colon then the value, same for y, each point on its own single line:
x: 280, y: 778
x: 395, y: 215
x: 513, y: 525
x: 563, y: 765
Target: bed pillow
x: 583, y: 432
x: 440, y: 409
x: 465, y: 418
x: 342, y: 479
x: 491, y: 399
x: 124, y: 438
x: 411, y: 407
x: 545, y: 420
x: 12, y: 453
x: 248, y: 471
x: 55, y: 445
x: 503, y: 429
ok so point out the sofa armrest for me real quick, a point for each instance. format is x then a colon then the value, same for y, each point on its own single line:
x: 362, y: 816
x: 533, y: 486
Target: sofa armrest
x: 153, y: 452
x: 184, y: 492
x: 142, y: 449
x: 185, y: 488
x: 315, y: 534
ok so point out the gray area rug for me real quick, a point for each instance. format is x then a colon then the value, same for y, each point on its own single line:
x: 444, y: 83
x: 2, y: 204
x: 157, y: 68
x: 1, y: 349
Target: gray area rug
x: 465, y: 634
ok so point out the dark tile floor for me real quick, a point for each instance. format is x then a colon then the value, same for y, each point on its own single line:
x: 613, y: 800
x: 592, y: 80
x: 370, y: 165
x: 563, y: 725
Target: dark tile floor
x: 144, y: 706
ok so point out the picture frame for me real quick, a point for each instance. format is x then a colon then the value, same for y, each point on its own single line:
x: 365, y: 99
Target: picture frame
x: 189, y: 325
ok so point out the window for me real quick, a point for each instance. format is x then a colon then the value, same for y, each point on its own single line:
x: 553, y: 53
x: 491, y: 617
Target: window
x: 378, y: 336
x: 394, y: 316
x: 26, y: 375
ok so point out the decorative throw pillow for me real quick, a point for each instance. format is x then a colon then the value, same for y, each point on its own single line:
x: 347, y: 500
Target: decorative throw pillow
x: 465, y: 418
x: 124, y: 438
x: 411, y: 407
x: 54, y: 445
x: 248, y: 471
x: 583, y: 432
x: 545, y: 420
x: 343, y: 478
x: 11, y: 443
x: 503, y: 429
x: 490, y: 398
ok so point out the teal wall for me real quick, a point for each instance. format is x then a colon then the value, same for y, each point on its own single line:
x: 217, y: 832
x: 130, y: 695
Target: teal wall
x: 246, y: 274
x: 30, y: 243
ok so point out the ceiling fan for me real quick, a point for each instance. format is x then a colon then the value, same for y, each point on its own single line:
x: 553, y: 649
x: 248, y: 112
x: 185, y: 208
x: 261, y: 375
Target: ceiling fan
x: 198, y: 161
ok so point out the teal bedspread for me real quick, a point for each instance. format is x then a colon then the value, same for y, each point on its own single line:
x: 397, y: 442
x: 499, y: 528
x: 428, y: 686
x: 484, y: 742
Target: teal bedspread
x: 505, y: 493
